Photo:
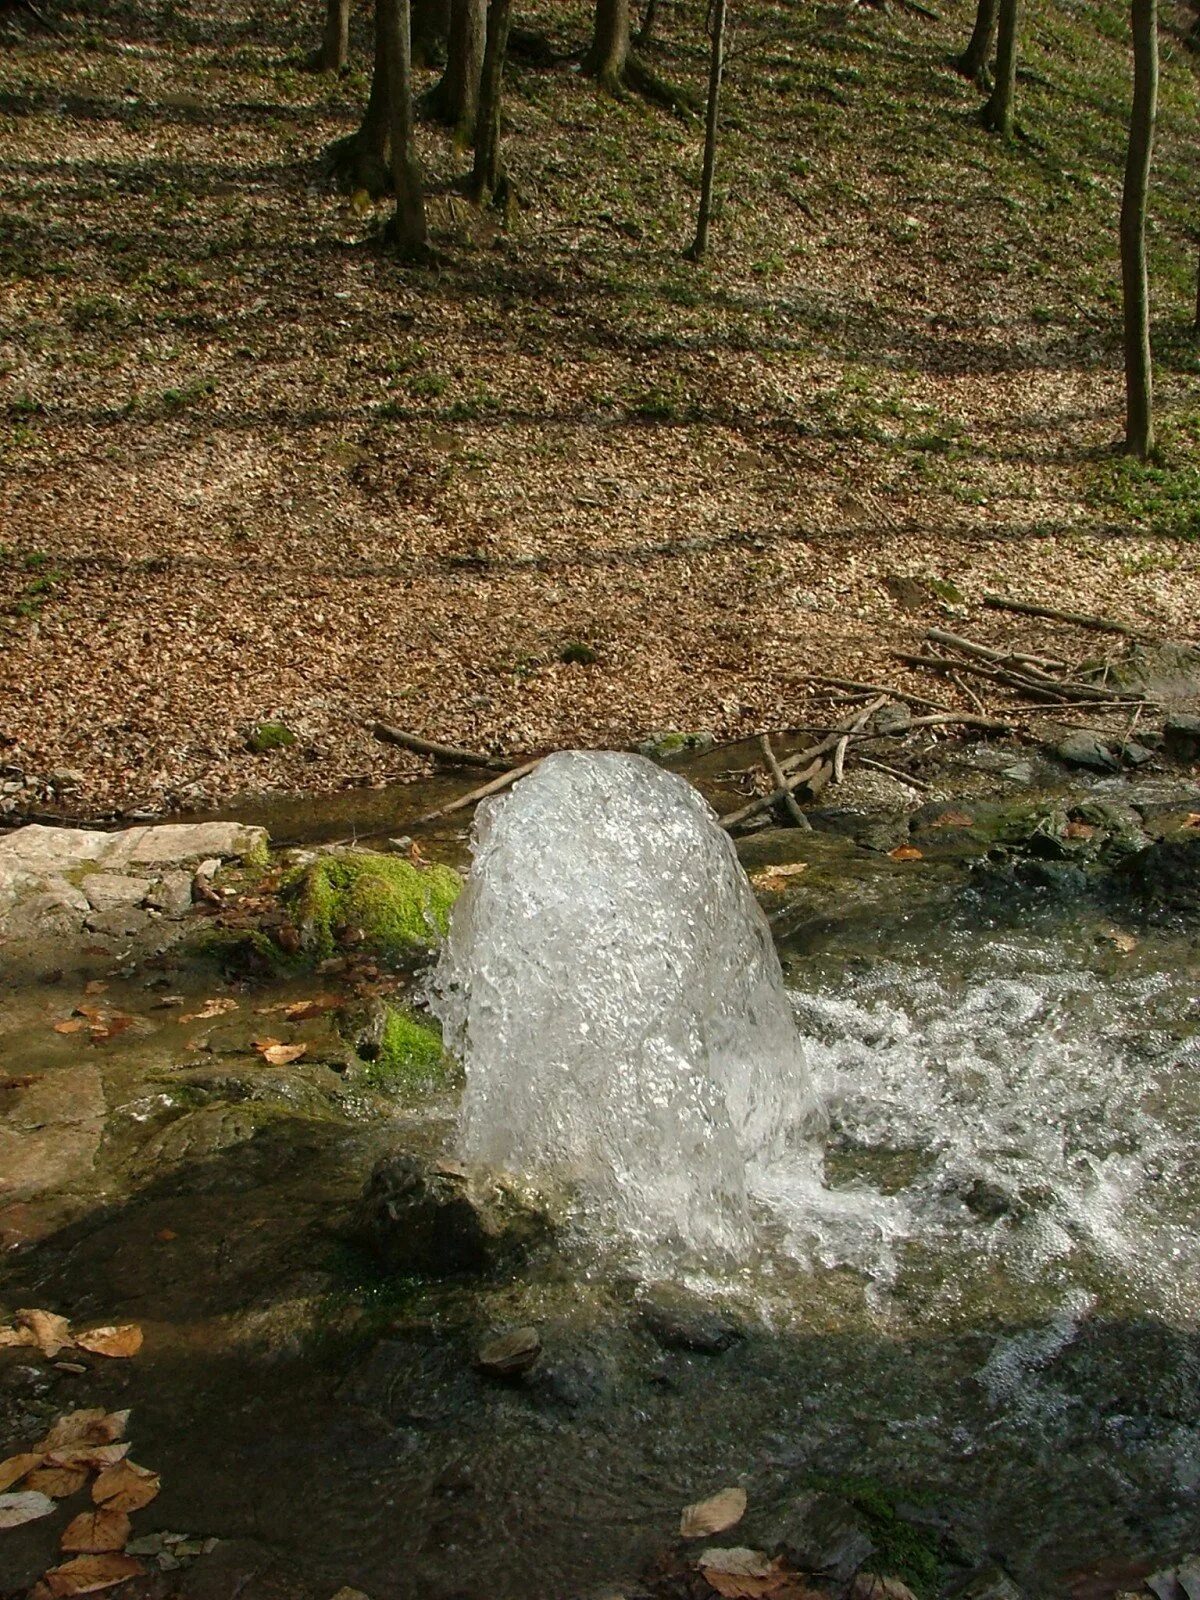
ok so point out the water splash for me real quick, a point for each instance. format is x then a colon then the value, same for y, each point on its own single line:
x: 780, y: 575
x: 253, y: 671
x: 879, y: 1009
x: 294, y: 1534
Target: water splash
x: 614, y: 993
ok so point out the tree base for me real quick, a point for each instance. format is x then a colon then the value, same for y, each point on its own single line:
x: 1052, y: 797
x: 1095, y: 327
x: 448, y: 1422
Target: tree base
x: 635, y: 77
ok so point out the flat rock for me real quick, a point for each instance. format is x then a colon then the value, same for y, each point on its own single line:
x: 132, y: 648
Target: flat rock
x: 681, y: 1320
x: 984, y: 1583
x: 1086, y: 750
x: 1181, y: 737
x: 507, y: 1355
x: 33, y: 1161
x: 822, y: 1533
x: 108, y: 891
x: 60, y: 1097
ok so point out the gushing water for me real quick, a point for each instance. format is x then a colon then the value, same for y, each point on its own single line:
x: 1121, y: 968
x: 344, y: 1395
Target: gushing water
x: 614, y: 993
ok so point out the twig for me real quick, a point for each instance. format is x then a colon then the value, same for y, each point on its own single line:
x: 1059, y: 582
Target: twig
x: 893, y: 772
x: 839, y: 758
x: 881, y: 688
x: 1081, y: 619
x: 1065, y: 688
x: 442, y: 752
x: 967, y: 691
x: 789, y: 799
x: 481, y: 793
x: 810, y: 773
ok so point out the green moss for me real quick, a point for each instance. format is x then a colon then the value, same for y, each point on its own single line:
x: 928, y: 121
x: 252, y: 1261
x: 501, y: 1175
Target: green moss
x: 411, y: 1058
x: 241, y: 952
x: 902, y: 1550
x: 270, y: 736
x: 399, y: 908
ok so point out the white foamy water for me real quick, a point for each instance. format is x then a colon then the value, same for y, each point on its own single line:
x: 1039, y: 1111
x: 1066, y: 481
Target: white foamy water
x: 611, y: 985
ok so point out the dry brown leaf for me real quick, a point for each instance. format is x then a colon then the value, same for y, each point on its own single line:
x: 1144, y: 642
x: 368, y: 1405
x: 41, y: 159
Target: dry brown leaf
x: 774, y: 879
x: 1118, y: 937
x: 15, y: 1336
x: 50, y: 1331
x: 166, y: 1235
x: 1079, y: 830
x: 210, y: 1008
x: 277, y: 1054
x: 110, y: 1026
x: 18, y: 1467
x: 124, y: 1340
x: 88, y: 1574
x: 93, y: 1426
x: 953, y: 819
x: 58, y: 1482
x: 874, y: 1586
x: 27, y: 1506
x: 93, y: 1532
x: 95, y: 986
x: 125, y: 1487
x: 71, y: 1025
x: 906, y: 852
x: 1192, y: 820
x: 96, y: 1456
x: 720, y: 1511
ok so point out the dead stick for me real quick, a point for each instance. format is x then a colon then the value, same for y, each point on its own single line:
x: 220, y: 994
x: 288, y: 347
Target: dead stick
x: 789, y: 799
x: 1066, y: 689
x: 882, y: 688
x: 893, y: 772
x: 1081, y: 619
x: 481, y: 793
x: 441, y: 752
x: 790, y: 766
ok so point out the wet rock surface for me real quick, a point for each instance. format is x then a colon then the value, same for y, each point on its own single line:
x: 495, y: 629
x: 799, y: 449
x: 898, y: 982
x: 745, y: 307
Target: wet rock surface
x: 681, y: 1320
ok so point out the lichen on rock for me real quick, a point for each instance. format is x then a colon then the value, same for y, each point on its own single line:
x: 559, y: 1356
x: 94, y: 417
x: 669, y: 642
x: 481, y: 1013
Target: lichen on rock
x: 385, y: 902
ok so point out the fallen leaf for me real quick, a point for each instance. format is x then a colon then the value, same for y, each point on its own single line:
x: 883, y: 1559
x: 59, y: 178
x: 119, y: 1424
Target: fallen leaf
x: 96, y: 1456
x: 93, y: 1532
x: 210, y: 1008
x: 95, y: 986
x: 720, y: 1511
x: 58, y: 1482
x: 71, y: 1025
x: 87, y: 1574
x: 953, y: 819
x: 166, y: 1235
x: 1192, y: 820
x: 773, y: 879
x: 93, y: 1426
x: 906, y: 852
x: 125, y: 1340
x: 738, y: 1562
x: 125, y: 1487
x: 27, y: 1506
x: 1118, y: 937
x: 50, y: 1331
x: 13, y: 1336
x: 277, y: 1054
x: 110, y: 1026
x: 1079, y: 830
x: 873, y: 1586
x: 17, y: 1467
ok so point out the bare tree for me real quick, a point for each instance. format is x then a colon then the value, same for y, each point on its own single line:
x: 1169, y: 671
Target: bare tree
x: 455, y: 99
x: 1139, y: 377
x: 998, y: 112
x: 487, y: 178
x: 363, y: 159
x: 429, y: 30
x: 407, y: 230
x: 333, y: 53
x: 716, y: 66
x: 974, y: 59
x: 615, y: 66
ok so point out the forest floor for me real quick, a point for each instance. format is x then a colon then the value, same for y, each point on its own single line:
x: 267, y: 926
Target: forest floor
x: 252, y: 468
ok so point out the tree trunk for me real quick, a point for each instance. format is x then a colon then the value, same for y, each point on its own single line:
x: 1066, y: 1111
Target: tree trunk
x: 649, y: 14
x: 974, y: 59
x: 487, y: 177
x: 998, y: 113
x: 608, y: 54
x: 1139, y: 383
x: 334, y: 53
x: 430, y: 29
x: 407, y: 231
x: 716, y: 66
x: 455, y: 100
x: 363, y: 160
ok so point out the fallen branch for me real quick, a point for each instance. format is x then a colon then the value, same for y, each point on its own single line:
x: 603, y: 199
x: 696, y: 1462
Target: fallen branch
x: 776, y: 771
x: 441, y: 752
x: 881, y: 688
x: 1066, y: 689
x: 473, y: 795
x: 811, y: 773
x: 893, y: 772
x: 1081, y: 619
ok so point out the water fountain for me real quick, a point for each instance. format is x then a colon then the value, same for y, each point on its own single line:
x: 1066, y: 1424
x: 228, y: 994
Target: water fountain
x: 611, y: 985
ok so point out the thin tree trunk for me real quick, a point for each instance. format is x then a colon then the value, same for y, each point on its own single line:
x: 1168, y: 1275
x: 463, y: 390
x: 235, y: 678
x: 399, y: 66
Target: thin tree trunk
x: 407, y: 231
x: 649, y: 14
x: 1196, y: 324
x: 716, y: 66
x: 1139, y: 381
x: 974, y: 59
x: 608, y: 55
x: 455, y: 100
x: 487, y: 175
x: 363, y: 159
x: 998, y: 113
x: 334, y: 52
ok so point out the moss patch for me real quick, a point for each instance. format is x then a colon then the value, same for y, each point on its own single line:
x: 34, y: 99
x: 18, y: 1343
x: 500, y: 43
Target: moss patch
x: 411, y: 1058
x: 270, y: 736
x: 400, y: 909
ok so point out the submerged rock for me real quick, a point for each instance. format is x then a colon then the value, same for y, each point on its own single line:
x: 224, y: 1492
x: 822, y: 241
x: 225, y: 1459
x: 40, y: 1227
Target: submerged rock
x: 681, y: 1320
x: 508, y: 1355
x: 433, y: 1220
x: 984, y: 1583
x: 1163, y: 880
x: 822, y: 1533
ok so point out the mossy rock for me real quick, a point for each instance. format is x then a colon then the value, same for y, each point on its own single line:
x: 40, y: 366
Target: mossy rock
x: 410, y: 1058
x: 270, y: 736
x: 241, y: 952
x: 399, y: 910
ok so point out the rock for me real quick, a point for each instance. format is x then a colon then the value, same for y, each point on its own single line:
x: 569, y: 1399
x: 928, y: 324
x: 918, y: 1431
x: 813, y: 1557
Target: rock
x: 1135, y: 755
x: 894, y: 718
x: 1181, y: 737
x: 60, y: 1097
x: 433, y: 1220
x: 1086, y: 750
x: 984, y: 1583
x: 822, y: 1533
x: 1163, y: 880
x: 46, y: 1159
x: 111, y: 891
x: 385, y: 902
x: 673, y: 746
x: 681, y: 1320
x: 171, y: 895
x: 508, y: 1355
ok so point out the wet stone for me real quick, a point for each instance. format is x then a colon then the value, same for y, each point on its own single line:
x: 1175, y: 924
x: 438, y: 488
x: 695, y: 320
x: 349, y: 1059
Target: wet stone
x: 681, y: 1320
x: 822, y: 1533
x: 111, y: 891
x: 1181, y: 737
x: 508, y: 1355
x: 61, y: 1096
x: 1086, y: 750
x: 985, y: 1583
